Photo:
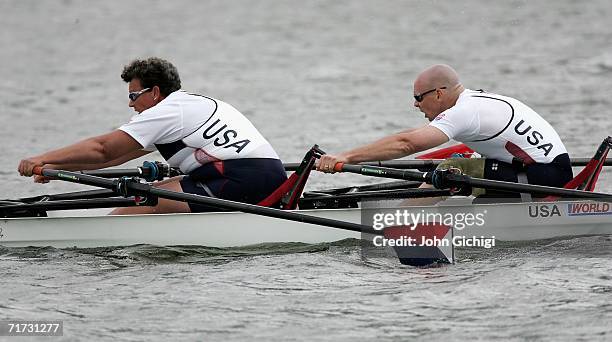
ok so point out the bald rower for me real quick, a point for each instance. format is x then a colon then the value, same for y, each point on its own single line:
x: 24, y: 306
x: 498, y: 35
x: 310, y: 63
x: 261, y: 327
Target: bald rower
x: 512, y: 138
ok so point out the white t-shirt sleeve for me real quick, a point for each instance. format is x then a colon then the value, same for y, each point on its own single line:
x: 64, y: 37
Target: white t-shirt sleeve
x: 156, y: 125
x: 457, y: 123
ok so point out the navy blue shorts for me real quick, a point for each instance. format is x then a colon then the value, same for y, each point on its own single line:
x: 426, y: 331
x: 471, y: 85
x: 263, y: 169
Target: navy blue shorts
x: 557, y: 174
x: 240, y: 180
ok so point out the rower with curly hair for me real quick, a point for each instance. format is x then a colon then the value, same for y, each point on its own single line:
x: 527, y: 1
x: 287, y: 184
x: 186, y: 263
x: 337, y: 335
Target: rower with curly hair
x: 218, y: 149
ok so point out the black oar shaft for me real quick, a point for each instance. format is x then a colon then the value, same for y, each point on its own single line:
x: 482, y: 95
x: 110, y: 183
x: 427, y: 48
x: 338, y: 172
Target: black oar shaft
x: 474, y: 182
x: 385, y: 172
x: 88, y: 194
x: 529, y: 188
x: 81, y: 178
x: 116, y: 173
x: 424, y: 164
x: 428, y: 164
x: 399, y: 164
x: 151, y: 171
x: 71, y: 204
x: 585, y: 161
x: 143, y: 188
x: 410, y: 193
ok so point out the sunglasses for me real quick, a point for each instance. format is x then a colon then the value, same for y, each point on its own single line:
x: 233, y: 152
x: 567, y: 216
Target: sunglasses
x: 419, y: 97
x: 135, y: 95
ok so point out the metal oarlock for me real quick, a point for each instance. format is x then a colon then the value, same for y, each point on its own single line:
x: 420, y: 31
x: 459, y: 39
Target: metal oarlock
x: 124, y: 186
x: 440, y: 180
x: 121, y: 186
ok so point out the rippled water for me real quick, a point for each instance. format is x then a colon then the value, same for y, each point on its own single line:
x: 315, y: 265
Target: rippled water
x: 280, y: 292
x: 334, y: 73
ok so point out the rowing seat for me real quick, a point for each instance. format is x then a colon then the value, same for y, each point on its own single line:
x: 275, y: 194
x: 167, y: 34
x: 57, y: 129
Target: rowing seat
x: 288, y: 194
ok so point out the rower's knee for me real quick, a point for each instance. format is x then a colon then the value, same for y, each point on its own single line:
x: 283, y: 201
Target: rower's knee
x: 423, y: 201
x: 425, y: 186
x: 133, y: 210
x: 164, y: 206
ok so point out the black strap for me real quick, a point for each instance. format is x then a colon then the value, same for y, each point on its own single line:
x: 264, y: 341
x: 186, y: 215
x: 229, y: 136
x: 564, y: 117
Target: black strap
x: 518, y: 165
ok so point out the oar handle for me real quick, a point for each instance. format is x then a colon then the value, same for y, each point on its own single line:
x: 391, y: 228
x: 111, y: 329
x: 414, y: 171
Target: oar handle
x: 385, y: 172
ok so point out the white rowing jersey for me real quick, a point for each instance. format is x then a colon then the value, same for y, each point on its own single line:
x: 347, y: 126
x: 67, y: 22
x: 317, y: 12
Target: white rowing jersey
x: 191, y: 130
x: 500, y: 127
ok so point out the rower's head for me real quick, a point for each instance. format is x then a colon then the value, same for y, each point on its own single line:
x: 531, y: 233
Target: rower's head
x: 436, y: 89
x: 150, y: 81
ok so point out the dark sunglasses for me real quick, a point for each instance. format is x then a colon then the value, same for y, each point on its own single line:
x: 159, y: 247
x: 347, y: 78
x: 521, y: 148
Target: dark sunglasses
x: 135, y: 95
x: 419, y: 97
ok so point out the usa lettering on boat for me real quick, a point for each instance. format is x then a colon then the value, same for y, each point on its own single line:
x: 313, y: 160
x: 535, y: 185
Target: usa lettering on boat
x: 544, y: 210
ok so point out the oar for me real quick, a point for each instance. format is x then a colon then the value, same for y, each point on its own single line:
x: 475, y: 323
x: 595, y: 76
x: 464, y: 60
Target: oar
x: 585, y: 161
x: 78, y: 195
x: 457, y: 179
x: 127, y: 187
x: 157, y: 170
x: 10, y: 209
x: 428, y: 164
x: 399, y: 164
x: 151, y: 171
x: 370, y: 187
x: 409, y: 193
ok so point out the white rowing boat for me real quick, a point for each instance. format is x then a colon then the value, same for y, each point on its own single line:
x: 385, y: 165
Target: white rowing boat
x: 217, y: 229
x: 505, y: 222
x: 332, y: 215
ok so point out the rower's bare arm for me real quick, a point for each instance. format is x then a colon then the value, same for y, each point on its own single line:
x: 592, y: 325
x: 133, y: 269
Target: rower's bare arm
x: 97, y: 150
x: 408, y: 130
x: 398, y: 145
x: 85, y: 167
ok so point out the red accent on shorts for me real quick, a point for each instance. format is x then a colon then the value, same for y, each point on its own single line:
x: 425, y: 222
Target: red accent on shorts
x: 519, y: 153
x: 219, y: 166
x: 204, y: 158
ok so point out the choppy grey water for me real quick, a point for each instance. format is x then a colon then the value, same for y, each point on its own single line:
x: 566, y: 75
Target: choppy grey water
x: 336, y: 73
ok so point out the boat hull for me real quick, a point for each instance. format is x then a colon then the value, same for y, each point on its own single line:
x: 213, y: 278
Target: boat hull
x: 222, y: 229
x: 505, y: 222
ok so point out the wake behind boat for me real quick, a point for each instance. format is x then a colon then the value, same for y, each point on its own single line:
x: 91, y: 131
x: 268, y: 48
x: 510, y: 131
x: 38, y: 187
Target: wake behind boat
x: 78, y: 219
